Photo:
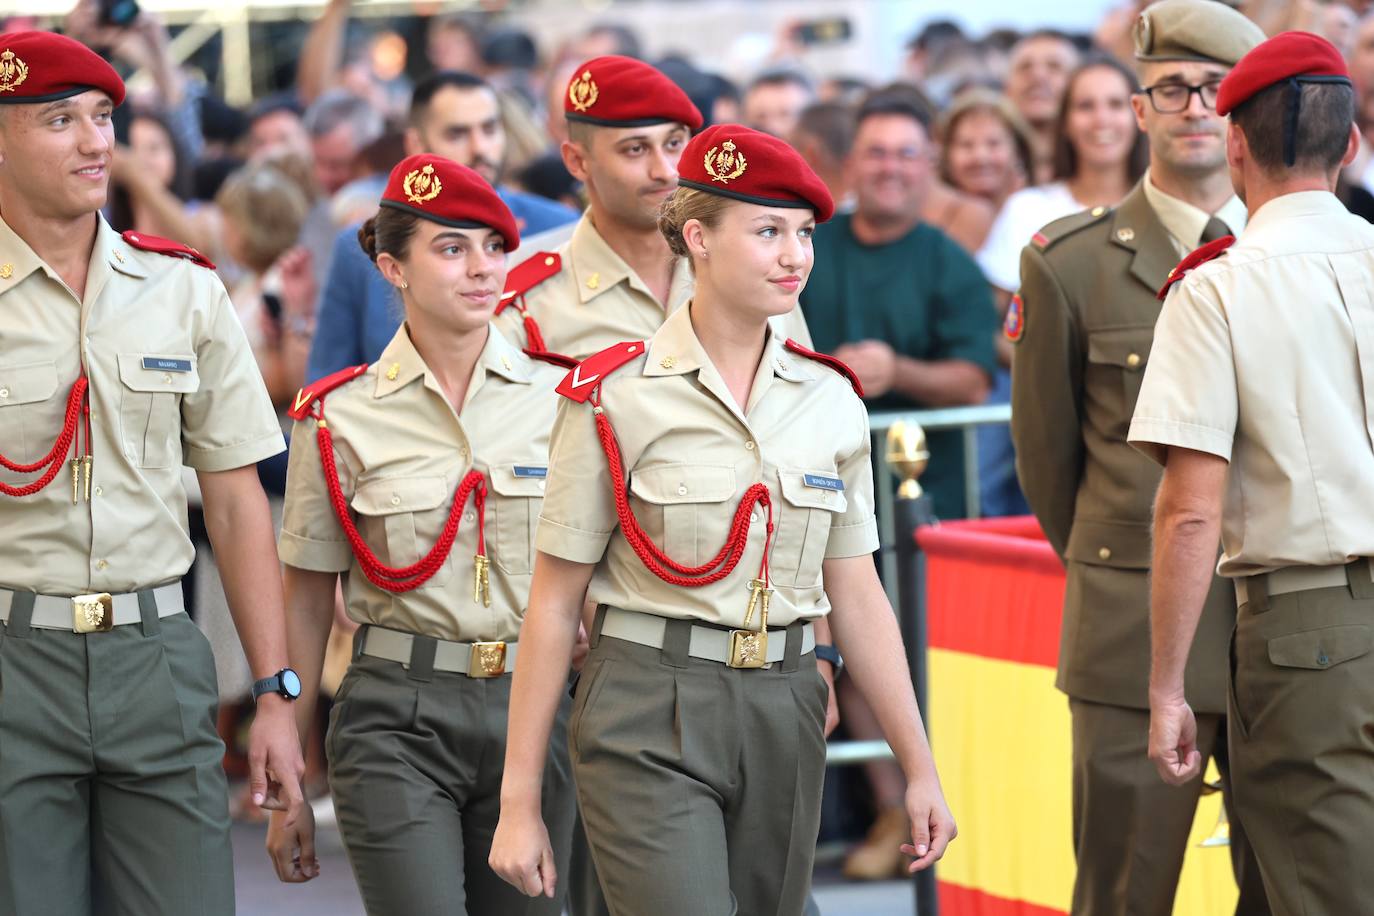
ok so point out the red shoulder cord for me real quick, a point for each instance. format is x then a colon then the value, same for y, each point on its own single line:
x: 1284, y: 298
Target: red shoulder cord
x: 68, y: 440
x: 533, y: 336
x: 406, y: 578
x: 650, y: 554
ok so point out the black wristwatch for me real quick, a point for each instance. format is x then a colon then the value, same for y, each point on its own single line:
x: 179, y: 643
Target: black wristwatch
x: 830, y: 654
x: 285, y: 684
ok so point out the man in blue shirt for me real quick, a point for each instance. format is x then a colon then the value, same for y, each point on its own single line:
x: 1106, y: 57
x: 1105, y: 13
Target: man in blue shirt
x: 455, y: 115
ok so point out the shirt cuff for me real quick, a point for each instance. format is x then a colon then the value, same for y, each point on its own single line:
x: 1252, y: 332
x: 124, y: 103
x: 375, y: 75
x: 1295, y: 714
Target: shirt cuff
x: 1152, y: 438
x: 572, y: 544
x: 316, y: 556
x: 852, y: 540
x: 238, y: 455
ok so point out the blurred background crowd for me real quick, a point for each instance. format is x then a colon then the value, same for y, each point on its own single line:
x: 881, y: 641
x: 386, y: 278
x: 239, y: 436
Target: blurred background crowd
x: 945, y: 163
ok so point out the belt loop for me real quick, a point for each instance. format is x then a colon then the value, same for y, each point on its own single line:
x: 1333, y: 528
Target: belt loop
x: 677, y: 643
x: 792, y: 654
x: 1357, y: 576
x: 422, y: 649
x: 360, y: 641
x: 21, y: 613
x: 147, y: 610
x: 1257, y: 593
x: 598, y: 620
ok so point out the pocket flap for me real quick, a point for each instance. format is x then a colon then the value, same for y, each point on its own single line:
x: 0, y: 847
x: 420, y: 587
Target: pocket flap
x: 174, y: 372
x: 1121, y: 544
x: 813, y: 489
x: 1323, y: 648
x: 391, y: 495
x: 523, y: 479
x: 27, y: 383
x: 1128, y: 348
x: 670, y: 484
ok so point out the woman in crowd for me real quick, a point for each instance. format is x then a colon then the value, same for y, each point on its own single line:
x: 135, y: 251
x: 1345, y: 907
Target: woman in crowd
x: 420, y: 478
x: 985, y: 147
x: 697, y: 731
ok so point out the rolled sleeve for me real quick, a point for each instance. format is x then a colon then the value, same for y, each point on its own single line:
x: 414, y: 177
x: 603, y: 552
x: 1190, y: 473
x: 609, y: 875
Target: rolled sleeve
x: 578, y: 515
x: 311, y: 537
x: 855, y: 532
x: 1188, y: 397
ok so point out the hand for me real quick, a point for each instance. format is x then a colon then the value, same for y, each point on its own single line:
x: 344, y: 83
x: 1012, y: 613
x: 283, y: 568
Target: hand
x: 832, y: 706
x: 298, y: 287
x: 291, y: 845
x: 521, y: 854
x: 932, y: 824
x: 874, y: 362
x: 275, y: 766
x: 1173, y: 740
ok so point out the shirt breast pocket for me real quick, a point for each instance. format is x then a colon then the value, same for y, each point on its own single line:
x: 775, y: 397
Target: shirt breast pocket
x: 30, y: 417
x: 518, y: 493
x: 685, y: 515
x: 811, y: 500
x: 1116, y: 365
x: 150, y: 405
x: 401, y: 519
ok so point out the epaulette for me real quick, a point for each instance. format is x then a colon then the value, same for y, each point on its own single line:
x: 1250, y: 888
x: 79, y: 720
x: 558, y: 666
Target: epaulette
x: 1197, y: 256
x: 300, y: 408
x: 528, y: 274
x: 145, y: 242
x: 548, y: 356
x: 587, y: 375
x: 826, y: 359
x: 1067, y: 226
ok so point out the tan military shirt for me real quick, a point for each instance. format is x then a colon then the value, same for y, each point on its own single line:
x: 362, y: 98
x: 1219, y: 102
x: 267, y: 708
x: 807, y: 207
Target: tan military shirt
x: 402, y: 451
x: 1265, y: 357
x: 172, y: 382
x: 596, y: 300
x: 1184, y: 222
x: 691, y: 454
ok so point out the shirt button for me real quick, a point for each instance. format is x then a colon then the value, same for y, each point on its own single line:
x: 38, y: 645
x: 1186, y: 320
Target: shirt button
x: 463, y: 451
x: 1105, y: 553
x: 167, y: 378
x: 4, y: 392
x: 101, y: 564
x: 99, y: 492
x: 541, y: 484
x: 468, y: 517
x: 395, y: 500
x: 682, y: 490
x: 749, y: 445
x: 1133, y: 360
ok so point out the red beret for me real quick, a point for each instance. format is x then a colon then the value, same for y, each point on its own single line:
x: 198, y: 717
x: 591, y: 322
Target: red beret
x: 38, y: 67
x: 615, y: 91
x: 442, y: 191
x: 754, y: 167
x: 1288, y: 55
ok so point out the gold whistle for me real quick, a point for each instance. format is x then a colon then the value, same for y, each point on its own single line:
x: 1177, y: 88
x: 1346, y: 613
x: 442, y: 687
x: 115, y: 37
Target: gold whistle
x: 76, y: 479
x: 87, y: 464
x: 481, y: 581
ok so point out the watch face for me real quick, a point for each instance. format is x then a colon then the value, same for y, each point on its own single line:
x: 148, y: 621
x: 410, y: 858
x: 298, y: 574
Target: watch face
x: 291, y: 683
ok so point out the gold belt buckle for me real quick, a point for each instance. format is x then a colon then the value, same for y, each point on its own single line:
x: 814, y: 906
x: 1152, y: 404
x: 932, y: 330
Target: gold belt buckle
x: 488, y: 659
x: 93, y: 613
x: 748, y: 648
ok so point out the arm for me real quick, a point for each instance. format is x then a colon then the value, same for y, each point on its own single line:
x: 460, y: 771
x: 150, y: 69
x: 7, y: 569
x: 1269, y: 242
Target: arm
x: 866, y: 631
x: 322, y: 52
x: 941, y: 382
x: 240, y: 528
x: 167, y: 212
x: 520, y: 850
x: 1186, y: 530
x: 824, y: 637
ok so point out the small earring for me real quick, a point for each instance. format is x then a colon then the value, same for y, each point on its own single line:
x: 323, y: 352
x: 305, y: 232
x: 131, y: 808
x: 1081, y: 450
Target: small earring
x: 405, y: 285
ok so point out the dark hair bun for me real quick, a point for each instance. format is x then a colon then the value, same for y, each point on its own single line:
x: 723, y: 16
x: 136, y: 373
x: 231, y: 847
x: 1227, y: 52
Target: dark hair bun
x: 367, y: 237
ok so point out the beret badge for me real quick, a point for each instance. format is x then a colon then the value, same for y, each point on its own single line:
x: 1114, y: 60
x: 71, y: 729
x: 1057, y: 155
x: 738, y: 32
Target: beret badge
x: 725, y: 163
x: 422, y: 185
x: 13, y: 71
x: 582, y: 92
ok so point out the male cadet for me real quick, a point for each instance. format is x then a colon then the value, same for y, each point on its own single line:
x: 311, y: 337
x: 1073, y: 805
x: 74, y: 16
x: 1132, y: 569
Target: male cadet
x: 1258, y: 403
x: 121, y: 359
x: 1082, y: 324
x: 615, y: 279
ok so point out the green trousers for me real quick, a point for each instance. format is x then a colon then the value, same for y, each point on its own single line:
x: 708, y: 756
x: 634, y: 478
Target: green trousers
x: 1302, y: 743
x: 699, y: 784
x: 112, y: 795
x: 415, y: 763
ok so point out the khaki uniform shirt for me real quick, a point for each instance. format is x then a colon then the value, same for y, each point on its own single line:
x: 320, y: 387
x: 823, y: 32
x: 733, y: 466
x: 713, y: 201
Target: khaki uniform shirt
x: 402, y: 451
x: 596, y: 300
x: 1265, y: 357
x: 1184, y: 222
x: 172, y: 382
x: 691, y: 454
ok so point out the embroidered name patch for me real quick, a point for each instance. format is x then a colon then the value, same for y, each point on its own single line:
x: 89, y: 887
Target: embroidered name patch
x: 823, y: 483
x: 531, y: 471
x: 166, y: 364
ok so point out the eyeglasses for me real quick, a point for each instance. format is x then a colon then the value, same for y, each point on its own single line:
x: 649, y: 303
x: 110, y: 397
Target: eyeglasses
x: 1171, y: 98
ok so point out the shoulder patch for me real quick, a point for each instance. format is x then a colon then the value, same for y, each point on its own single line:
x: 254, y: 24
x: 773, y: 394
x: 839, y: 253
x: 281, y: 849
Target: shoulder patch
x: 145, y: 242
x: 587, y: 375
x: 1209, y: 252
x: 307, y: 396
x: 1015, y: 325
x: 528, y: 274
x: 548, y: 356
x: 1067, y: 226
x: 827, y: 360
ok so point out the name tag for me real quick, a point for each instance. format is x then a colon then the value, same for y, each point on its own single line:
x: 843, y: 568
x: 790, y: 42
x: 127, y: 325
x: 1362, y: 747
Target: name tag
x: 823, y: 483
x: 165, y: 364
x: 531, y: 471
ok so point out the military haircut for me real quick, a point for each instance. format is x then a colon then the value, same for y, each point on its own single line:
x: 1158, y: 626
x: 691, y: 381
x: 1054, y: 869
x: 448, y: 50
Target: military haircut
x: 1323, y: 131
x: 430, y: 86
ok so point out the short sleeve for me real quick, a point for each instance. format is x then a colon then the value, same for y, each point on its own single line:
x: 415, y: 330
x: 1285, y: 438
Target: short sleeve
x: 228, y: 421
x: 855, y: 532
x: 578, y: 515
x: 965, y: 317
x: 1188, y: 397
x: 1000, y: 257
x: 311, y: 537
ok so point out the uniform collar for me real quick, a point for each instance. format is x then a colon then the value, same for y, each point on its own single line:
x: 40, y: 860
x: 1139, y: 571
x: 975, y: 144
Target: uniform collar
x: 110, y: 252
x: 597, y: 268
x: 1137, y: 228
x: 400, y: 364
x: 1298, y: 204
x: 1185, y: 222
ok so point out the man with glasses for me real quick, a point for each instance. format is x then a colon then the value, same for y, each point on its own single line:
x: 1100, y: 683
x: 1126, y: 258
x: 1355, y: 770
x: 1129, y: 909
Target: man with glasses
x: 1083, y: 323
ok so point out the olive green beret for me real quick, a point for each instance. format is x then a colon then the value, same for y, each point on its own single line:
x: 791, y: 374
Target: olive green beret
x: 1201, y: 30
